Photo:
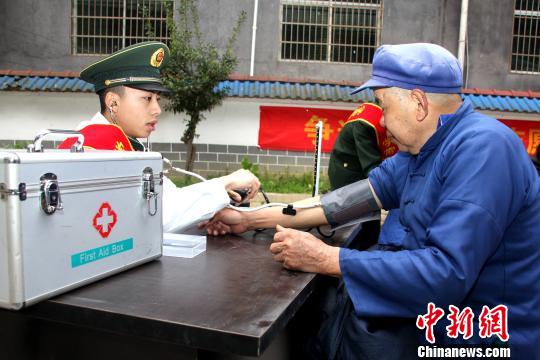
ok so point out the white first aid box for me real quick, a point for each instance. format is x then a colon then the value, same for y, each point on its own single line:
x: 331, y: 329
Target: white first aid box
x: 67, y: 219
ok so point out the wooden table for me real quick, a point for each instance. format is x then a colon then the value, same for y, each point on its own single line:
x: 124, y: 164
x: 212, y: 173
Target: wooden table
x: 232, y: 299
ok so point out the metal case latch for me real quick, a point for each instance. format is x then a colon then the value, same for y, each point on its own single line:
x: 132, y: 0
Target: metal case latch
x: 20, y: 192
x: 50, y: 199
x: 149, y: 192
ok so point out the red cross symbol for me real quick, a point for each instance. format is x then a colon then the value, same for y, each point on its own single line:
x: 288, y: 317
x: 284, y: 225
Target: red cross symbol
x: 104, y: 220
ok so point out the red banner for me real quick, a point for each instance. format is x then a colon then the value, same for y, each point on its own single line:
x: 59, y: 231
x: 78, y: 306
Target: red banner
x: 528, y: 132
x: 293, y: 128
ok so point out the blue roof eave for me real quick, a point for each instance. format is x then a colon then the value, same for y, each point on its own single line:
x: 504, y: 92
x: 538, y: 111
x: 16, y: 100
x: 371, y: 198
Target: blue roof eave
x: 273, y: 90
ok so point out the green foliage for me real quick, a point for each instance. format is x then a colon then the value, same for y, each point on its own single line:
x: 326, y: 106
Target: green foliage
x: 285, y: 183
x: 183, y: 180
x: 248, y: 165
x: 19, y: 144
x: 195, y: 69
x: 292, y: 183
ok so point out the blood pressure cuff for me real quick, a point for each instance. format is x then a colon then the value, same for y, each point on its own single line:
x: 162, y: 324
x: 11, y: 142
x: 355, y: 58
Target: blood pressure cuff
x: 348, y: 203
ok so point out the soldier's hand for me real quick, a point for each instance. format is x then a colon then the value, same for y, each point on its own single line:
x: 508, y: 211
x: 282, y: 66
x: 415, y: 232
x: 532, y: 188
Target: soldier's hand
x: 241, y: 180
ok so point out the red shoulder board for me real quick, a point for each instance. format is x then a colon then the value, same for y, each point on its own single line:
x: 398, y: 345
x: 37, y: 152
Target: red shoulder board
x: 371, y: 115
x: 101, y: 137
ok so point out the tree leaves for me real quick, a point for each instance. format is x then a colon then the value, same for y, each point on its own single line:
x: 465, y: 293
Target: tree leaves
x: 196, y: 68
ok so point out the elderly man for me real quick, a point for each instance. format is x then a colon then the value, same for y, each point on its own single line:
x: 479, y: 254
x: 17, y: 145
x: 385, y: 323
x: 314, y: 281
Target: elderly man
x: 128, y: 85
x: 472, y: 219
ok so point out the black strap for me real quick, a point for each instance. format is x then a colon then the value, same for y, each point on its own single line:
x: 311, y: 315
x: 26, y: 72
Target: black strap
x: 136, y: 144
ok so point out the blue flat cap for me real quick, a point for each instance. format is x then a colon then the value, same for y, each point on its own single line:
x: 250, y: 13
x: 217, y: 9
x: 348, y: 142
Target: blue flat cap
x: 423, y: 66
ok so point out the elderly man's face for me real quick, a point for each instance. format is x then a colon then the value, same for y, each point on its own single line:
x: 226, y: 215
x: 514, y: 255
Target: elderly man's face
x: 399, y: 119
x: 138, y: 112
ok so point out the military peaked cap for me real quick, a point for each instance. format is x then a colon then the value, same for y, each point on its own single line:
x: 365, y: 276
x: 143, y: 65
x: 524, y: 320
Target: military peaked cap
x: 136, y: 66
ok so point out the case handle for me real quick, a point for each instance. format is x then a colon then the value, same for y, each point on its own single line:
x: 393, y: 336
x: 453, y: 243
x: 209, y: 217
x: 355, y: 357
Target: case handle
x: 149, y: 192
x: 37, y: 147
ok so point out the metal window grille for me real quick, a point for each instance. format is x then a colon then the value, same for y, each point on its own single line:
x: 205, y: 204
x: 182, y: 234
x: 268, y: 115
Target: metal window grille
x: 103, y: 26
x: 338, y: 31
x: 526, y: 37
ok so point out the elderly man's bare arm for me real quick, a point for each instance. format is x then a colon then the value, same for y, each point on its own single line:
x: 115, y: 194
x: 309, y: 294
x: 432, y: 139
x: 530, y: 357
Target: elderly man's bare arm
x: 298, y: 250
x: 339, y: 207
x: 230, y: 220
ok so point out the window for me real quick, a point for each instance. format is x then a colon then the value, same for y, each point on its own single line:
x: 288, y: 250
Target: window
x: 100, y: 27
x: 526, y: 38
x: 342, y: 31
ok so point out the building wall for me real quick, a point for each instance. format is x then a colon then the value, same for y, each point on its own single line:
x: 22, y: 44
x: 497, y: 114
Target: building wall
x: 229, y: 132
x: 36, y: 35
x: 235, y: 122
x: 219, y: 159
x: 490, y: 45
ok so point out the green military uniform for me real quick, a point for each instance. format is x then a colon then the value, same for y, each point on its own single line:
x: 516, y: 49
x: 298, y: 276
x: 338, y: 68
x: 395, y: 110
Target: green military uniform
x: 361, y: 145
x: 354, y: 154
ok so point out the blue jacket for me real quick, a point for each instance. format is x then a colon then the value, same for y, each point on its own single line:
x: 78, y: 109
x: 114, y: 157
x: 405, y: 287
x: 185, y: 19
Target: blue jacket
x: 470, y: 205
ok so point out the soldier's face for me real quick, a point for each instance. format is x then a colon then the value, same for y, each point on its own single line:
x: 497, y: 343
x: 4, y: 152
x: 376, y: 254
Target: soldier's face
x: 137, y: 112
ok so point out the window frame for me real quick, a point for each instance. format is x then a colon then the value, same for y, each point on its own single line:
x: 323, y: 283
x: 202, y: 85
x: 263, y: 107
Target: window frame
x: 123, y: 37
x: 331, y: 4
x: 517, y: 15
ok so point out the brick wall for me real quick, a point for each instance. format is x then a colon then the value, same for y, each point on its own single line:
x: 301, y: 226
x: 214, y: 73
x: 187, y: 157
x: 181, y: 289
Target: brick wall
x: 212, y: 159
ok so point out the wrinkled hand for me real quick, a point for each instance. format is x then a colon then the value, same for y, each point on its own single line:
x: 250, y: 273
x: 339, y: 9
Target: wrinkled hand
x: 241, y: 179
x: 224, y: 222
x: 299, y: 250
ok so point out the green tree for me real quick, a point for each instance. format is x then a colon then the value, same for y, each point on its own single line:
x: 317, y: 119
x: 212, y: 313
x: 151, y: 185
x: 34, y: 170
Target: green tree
x: 195, y: 70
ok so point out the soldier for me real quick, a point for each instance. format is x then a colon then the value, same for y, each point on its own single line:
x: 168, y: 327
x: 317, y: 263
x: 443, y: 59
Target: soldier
x: 128, y: 85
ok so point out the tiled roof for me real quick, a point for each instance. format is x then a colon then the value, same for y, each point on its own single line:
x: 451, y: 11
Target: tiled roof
x: 264, y: 88
x: 293, y: 91
x: 504, y: 103
x: 44, y: 83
